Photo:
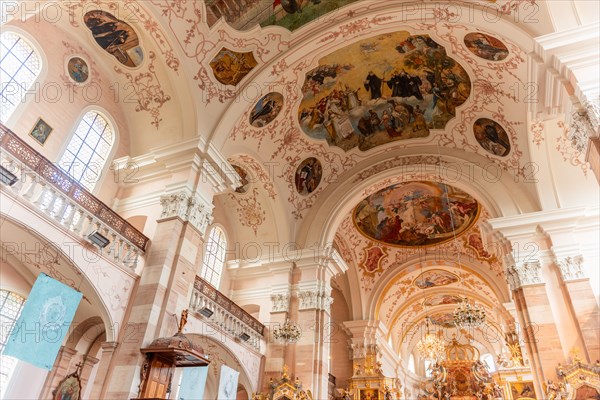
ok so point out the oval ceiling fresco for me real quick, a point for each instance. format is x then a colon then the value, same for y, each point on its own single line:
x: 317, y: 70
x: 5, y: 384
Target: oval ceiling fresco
x: 491, y: 136
x: 390, y: 87
x: 116, y: 37
x: 420, y: 213
x: 486, y: 46
x: 308, y: 176
x: 266, y: 109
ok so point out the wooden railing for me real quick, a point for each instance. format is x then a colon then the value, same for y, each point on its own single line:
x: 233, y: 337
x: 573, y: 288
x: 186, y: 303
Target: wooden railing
x: 53, y: 192
x: 225, y: 313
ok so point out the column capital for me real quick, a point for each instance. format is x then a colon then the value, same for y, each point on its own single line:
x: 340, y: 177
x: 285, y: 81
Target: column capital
x: 523, y: 273
x: 109, y: 346
x: 281, y: 302
x: 67, y: 352
x: 319, y: 299
x: 571, y: 268
x: 189, y: 207
x: 90, y: 361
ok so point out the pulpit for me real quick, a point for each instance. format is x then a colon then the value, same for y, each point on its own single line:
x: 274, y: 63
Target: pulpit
x: 162, y: 356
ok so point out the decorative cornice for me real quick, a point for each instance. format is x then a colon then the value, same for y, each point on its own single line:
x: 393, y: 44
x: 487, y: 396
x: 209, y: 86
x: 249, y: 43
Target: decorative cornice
x: 571, y: 268
x: 189, y: 208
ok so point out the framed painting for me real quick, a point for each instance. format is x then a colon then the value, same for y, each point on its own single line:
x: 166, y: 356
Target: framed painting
x: 69, y: 388
x: 41, y: 130
x: 369, y: 394
x: 522, y: 390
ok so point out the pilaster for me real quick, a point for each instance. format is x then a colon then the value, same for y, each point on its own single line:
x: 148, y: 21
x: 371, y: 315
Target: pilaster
x: 98, y: 390
x: 167, y: 280
x: 313, y: 291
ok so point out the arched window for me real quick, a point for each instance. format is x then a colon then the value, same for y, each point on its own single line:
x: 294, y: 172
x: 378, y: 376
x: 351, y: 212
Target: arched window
x: 488, y: 359
x: 427, y: 364
x: 411, y: 364
x: 214, y: 257
x: 10, y: 309
x: 20, y: 66
x: 88, y: 150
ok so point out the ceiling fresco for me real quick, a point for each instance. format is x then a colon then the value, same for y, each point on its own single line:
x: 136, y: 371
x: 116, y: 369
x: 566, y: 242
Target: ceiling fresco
x: 230, y: 67
x: 486, y: 46
x: 386, y: 88
x: 418, y: 213
x: 290, y: 14
x: 435, y: 278
x: 492, y: 137
x: 266, y: 109
x: 116, y: 37
x: 442, y: 299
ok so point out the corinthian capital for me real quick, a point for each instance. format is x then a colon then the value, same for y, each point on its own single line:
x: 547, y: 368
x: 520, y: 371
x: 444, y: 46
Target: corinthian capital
x: 188, y: 208
x: 523, y: 274
x: 571, y: 268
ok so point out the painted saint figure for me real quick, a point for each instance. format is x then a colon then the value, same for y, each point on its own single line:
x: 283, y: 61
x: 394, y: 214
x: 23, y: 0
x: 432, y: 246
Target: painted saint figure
x: 373, y: 84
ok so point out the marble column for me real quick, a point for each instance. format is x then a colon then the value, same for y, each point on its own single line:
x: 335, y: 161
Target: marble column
x: 164, y: 287
x: 86, y: 370
x: 584, y: 306
x: 313, y: 290
x: 536, y: 319
x: 108, y: 349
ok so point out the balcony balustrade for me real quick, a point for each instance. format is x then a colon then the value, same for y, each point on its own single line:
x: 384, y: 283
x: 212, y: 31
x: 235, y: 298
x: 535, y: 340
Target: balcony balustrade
x: 52, y: 192
x: 225, y: 314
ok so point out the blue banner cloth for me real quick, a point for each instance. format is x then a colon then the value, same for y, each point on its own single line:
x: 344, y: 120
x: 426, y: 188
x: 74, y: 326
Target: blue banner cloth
x: 45, y: 319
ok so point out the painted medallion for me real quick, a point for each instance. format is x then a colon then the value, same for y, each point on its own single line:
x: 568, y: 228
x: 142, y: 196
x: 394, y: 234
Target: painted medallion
x: 308, y: 176
x: 486, y: 46
x: 115, y: 36
x: 492, y: 137
x: 266, y: 109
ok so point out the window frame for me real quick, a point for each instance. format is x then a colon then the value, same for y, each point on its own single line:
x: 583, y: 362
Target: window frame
x: 111, y: 154
x: 15, y: 362
x: 210, y: 230
x: 18, y: 112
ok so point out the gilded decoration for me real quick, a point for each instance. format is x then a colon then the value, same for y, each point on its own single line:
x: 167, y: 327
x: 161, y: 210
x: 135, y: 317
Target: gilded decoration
x: 230, y: 67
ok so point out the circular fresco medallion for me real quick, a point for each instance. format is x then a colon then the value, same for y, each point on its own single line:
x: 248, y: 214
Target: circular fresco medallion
x: 266, y: 109
x: 416, y: 214
x: 491, y: 136
x: 486, y: 46
x: 78, y: 70
x: 308, y: 176
x: 245, y: 183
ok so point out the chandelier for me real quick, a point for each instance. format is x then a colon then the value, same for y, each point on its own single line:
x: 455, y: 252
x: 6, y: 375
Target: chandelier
x: 467, y: 315
x: 431, y: 347
x: 288, y: 333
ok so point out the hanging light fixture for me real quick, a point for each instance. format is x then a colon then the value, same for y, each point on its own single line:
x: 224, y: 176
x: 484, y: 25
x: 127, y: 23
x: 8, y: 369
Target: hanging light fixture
x: 468, y: 316
x: 431, y: 347
x: 288, y: 333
